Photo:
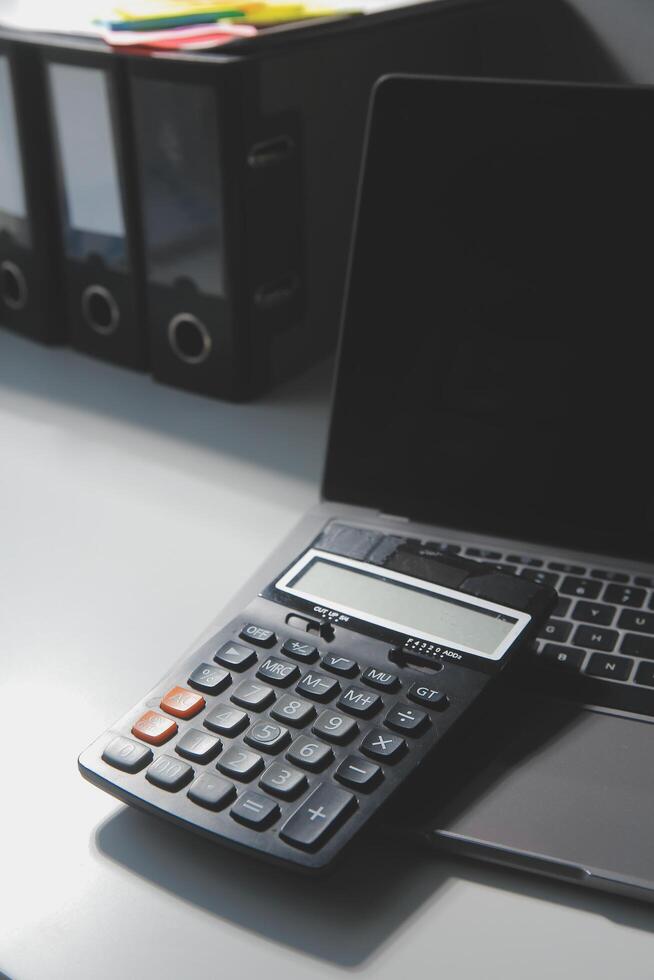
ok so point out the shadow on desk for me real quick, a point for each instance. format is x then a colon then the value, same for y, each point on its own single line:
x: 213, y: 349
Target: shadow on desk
x: 284, y: 431
x: 346, y: 917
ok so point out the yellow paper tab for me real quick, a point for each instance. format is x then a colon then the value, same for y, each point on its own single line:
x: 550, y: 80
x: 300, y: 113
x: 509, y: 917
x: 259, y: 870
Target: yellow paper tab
x: 159, y: 9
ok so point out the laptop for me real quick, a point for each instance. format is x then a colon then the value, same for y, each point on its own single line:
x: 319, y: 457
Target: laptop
x: 494, y: 399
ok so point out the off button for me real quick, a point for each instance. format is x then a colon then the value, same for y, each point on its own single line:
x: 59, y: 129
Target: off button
x: 258, y: 635
x: 429, y: 696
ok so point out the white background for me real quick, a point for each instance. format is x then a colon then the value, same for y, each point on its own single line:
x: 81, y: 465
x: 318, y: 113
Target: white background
x: 128, y: 513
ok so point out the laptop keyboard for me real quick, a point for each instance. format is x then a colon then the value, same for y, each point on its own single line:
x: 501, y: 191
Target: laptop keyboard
x: 598, y: 647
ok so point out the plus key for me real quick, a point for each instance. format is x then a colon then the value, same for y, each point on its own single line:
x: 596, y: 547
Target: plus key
x: 318, y: 817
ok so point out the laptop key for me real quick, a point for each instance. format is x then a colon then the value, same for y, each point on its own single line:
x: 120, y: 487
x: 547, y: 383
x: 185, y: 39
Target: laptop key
x: 639, y: 622
x: 593, y: 612
x: 562, y: 606
x: 563, y: 566
x: 566, y: 657
x: 645, y: 675
x: 596, y: 638
x: 647, y: 581
x: 585, y: 588
x: 541, y: 578
x: 609, y: 576
x: 486, y: 553
x: 525, y: 560
x: 612, y: 668
x: 638, y: 645
x: 624, y: 595
x: 556, y: 629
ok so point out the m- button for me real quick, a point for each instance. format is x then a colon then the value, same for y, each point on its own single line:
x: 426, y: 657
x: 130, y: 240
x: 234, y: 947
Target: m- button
x: 429, y: 696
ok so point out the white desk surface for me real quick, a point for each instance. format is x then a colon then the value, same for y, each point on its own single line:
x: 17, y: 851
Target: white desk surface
x: 128, y: 512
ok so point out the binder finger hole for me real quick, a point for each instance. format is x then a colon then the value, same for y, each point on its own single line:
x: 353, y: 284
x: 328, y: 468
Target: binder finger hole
x: 189, y: 338
x: 13, y: 287
x: 100, y: 309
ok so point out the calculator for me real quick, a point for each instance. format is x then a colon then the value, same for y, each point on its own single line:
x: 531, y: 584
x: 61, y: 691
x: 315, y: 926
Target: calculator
x: 285, y: 732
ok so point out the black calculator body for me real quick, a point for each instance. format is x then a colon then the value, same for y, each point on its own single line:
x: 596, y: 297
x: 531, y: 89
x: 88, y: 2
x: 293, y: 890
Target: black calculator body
x: 284, y: 731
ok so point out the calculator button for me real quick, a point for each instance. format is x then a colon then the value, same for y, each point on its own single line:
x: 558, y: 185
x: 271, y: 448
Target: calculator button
x: 340, y: 665
x: 278, y: 672
x: 358, y: 773
x: 381, y: 679
x: 235, y: 656
x: 310, y: 755
x: 197, y: 746
x: 404, y: 718
x: 294, y: 711
x: 318, y: 817
x: 335, y: 727
x: 360, y: 702
x: 251, y: 695
x: 226, y: 720
x: 318, y: 686
x: 429, y: 696
x: 380, y: 744
x: 241, y: 764
x: 211, y: 792
x: 168, y: 773
x: 258, y: 635
x: 154, y: 728
x: 182, y: 703
x: 123, y: 753
x: 267, y: 736
x: 209, y: 679
x: 283, y: 781
x: 300, y: 651
x: 255, y: 810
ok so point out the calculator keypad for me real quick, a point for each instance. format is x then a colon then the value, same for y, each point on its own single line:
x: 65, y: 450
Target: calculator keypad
x: 279, y: 738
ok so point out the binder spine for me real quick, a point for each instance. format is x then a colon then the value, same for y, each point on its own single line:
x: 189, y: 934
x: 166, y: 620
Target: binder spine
x: 272, y: 167
x: 31, y: 290
x: 100, y: 232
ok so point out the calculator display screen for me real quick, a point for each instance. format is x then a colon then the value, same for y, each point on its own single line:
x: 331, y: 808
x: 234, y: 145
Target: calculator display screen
x: 404, y: 605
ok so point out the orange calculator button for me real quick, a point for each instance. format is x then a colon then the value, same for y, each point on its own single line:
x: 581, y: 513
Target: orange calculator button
x: 182, y: 703
x: 154, y: 728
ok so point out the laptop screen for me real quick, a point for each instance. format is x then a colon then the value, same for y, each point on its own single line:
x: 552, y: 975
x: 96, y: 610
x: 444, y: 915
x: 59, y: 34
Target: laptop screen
x: 496, y: 370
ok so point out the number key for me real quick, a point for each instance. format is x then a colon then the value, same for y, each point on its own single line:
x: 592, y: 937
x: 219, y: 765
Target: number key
x: 268, y: 737
x: 169, y: 774
x: 241, y: 764
x: 123, y: 753
x: 335, y: 727
x: 226, y: 720
x: 310, y: 755
x: 294, y: 711
x: 197, y: 746
x: 283, y: 781
x: 252, y: 695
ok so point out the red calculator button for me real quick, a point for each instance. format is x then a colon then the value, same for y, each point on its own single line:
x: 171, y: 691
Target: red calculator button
x: 154, y: 728
x: 182, y: 703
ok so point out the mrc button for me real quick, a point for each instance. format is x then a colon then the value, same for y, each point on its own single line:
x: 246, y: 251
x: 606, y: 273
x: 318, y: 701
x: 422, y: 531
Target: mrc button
x: 429, y: 696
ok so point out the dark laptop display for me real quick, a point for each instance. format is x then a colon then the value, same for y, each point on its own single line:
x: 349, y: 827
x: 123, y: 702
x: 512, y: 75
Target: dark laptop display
x: 495, y: 370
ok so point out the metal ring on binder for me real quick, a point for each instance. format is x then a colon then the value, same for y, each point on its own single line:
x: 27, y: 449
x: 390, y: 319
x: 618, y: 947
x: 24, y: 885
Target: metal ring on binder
x: 13, y: 286
x: 202, y: 337
x: 101, y: 324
